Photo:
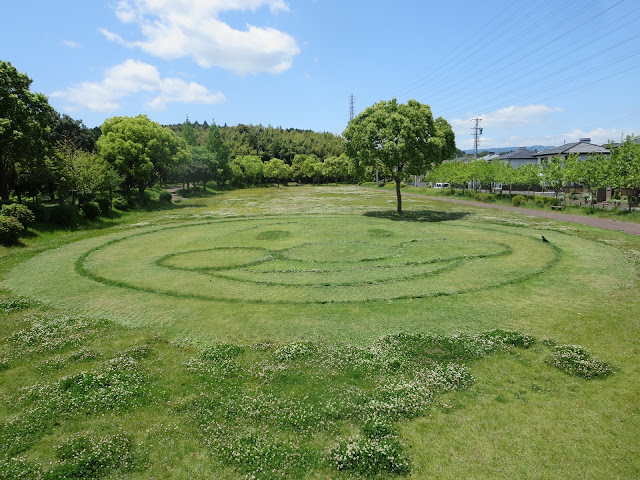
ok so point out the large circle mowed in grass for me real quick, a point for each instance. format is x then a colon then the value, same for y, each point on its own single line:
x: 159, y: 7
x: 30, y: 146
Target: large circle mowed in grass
x: 287, y: 260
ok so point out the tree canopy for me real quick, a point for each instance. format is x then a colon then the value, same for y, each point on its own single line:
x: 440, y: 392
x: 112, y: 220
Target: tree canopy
x: 140, y: 150
x: 399, y: 139
x: 25, y: 123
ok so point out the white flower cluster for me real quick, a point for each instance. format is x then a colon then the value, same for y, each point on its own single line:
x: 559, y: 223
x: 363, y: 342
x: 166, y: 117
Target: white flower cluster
x: 575, y: 360
x: 370, y: 455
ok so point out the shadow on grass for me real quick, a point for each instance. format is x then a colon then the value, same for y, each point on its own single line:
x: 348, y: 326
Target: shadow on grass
x: 426, y: 216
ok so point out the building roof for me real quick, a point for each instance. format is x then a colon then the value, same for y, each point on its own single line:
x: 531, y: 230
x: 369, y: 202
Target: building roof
x: 521, y: 154
x: 584, y: 146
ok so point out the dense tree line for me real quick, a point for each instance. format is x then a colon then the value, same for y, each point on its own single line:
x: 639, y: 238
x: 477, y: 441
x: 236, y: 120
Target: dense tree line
x: 265, y: 142
x: 619, y: 171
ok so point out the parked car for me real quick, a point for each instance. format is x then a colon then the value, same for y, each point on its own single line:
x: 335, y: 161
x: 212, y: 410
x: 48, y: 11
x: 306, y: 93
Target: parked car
x: 441, y: 185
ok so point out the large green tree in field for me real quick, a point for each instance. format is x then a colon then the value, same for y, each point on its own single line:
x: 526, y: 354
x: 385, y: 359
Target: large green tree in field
x: 399, y: 139
x: 25, y: 121
x: 140, y: 149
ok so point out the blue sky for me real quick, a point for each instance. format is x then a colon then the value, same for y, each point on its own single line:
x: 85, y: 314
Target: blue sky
x: 535, y: 71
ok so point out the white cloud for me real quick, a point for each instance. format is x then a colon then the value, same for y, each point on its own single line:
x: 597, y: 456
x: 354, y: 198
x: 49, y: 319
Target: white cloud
x: 132, y: 77
x: 191, y: 28
x: 71, y: 43
x: 499, y: 124
x: 509, y: 117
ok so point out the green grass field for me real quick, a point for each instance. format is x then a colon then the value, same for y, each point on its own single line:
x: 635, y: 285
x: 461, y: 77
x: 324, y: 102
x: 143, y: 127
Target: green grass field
x: 310, y: 332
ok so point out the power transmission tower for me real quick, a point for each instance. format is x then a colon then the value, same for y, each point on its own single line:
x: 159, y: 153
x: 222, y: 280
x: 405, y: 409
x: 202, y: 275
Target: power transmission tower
x: 477, y: 131
x: 352, y: 109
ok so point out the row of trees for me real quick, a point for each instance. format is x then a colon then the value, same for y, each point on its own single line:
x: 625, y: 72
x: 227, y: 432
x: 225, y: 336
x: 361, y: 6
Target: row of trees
x: 620, y: 171
x: 212, y: 159
x: 45, y: 153
x: 265, y: 142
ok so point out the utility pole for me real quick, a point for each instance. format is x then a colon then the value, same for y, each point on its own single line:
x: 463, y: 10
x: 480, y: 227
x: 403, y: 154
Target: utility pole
x: 477, y: 131
x: 352, y: 105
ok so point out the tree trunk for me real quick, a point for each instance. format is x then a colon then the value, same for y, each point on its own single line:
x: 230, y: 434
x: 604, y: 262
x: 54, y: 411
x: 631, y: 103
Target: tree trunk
x: 398, y: 194
x: 141, y: 189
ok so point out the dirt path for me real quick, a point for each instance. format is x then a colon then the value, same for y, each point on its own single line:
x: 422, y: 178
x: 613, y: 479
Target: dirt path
x: 633, y: 228
x: 174, y: 193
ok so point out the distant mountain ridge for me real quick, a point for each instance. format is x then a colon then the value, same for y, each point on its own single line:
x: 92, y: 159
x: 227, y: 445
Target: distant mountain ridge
x: 509, y: 149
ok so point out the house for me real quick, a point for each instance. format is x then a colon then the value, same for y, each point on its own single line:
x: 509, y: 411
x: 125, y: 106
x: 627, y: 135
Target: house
x: 583, y: 148
x: 519, y: 157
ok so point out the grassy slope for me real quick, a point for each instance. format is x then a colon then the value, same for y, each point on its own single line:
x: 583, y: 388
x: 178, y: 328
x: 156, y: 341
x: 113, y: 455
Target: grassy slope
x: 521, y: 419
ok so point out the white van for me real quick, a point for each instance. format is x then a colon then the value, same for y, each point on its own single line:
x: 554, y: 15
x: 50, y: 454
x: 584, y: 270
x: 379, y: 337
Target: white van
x: 441, y: 185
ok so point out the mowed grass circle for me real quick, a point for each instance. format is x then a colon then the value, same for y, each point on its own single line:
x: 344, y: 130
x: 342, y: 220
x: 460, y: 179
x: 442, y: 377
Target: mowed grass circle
x: 289, y: 260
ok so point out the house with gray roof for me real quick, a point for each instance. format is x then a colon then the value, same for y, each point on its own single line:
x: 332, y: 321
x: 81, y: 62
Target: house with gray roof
x: 519, y: 157
x: 583, y: 148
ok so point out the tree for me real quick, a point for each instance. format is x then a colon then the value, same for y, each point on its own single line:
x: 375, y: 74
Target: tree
x: 25, y: 121
x: 252, y: 168
x: 336, y: 167
x: 592, y: 173
x: 276, y: 170
x: 504, y: 174
x: 625, y: 169
x: 528, y: 175
x: 556, y: 172
x: 400, y: 139
x: 188, y: 133
x: 72, y: 132
x: 140, y: 150
x: 220, y: 168
x: 76, y: 169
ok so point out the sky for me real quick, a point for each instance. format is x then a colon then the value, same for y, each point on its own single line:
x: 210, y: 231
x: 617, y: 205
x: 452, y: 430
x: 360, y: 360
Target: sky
x: 535, y: 72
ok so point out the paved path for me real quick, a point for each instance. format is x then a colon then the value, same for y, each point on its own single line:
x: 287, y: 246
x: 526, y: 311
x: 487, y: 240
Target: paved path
x: 633, y: 228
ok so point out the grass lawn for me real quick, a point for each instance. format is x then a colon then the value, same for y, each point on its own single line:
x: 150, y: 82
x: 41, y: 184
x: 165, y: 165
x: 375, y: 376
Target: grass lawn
x: 310, y: 332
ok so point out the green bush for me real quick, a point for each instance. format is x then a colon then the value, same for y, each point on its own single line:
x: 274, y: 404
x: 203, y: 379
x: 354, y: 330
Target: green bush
x: 61, y: 215
x: 86, y: 197
x: 104, y: 203
x: 540, y: 201
x: 90, y: 209
x: 120, y: 203
x: 165, y: 197
x: 10, y: 229
x: 19, y: 212
x: 484, y: 197
x: 39, y: 211
x: 518, y: 200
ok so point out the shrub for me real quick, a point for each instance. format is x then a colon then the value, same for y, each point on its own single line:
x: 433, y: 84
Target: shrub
x: 86, y: 197
x: 165, y: 197
x: 39, y: 211
x: 10, y: 229
x: 90, y: 209
x: 61, y: 215
x: 120, y: 203
x: 104, y: 203
x: 518, y: 200
x: 19, y: 212
x: 539, y: 201
x: 484, y: 197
